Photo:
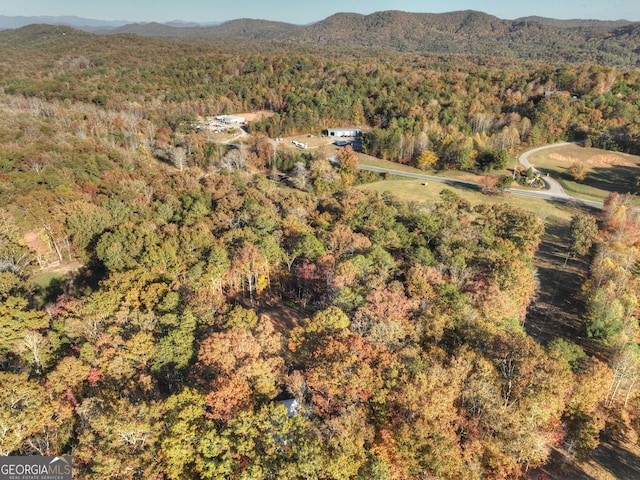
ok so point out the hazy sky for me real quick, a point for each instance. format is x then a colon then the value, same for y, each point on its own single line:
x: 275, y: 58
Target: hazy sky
x: 305, y: 11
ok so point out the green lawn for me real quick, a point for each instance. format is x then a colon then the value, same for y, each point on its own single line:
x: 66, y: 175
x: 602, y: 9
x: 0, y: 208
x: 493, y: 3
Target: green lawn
x: 606, y: 171
x: 45, y: 279
x: 49, y: 283
x: 414, y: 190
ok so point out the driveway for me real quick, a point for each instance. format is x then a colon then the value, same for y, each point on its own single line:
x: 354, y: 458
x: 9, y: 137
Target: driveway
x: 552, y: 186
x: 553, y: 190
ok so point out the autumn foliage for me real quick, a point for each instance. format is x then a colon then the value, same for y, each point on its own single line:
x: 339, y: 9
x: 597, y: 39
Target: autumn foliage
x: 212, y: 283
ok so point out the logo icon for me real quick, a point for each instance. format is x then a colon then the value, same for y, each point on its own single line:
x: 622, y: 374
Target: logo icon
x: 35, y: 468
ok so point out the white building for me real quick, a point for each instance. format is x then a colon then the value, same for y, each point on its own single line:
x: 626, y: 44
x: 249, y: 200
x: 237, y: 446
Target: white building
x: 231, y: 119
x: 344, y: 132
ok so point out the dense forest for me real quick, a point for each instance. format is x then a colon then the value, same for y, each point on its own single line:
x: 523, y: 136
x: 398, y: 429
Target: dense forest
x: 208, y: 292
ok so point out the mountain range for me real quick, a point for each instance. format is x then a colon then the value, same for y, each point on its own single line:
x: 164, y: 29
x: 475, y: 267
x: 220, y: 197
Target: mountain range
x: 93, y: 25
x: 88, y: 24
x: 460, y: 32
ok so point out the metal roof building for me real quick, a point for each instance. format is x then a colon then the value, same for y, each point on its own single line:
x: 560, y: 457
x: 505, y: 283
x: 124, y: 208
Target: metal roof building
x: 344, y: 132
x: 231, y: 119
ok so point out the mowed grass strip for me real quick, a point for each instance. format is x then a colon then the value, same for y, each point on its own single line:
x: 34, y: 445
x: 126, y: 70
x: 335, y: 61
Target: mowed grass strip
x: 457, y: 174
x: 606, y: 171
x: 415, y: 191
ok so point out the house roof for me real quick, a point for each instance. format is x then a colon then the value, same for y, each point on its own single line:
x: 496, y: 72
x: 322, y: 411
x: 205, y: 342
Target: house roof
x: 293, y: 406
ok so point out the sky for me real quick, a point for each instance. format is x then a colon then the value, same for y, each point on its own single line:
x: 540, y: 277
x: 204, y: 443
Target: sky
x: 304, y: 11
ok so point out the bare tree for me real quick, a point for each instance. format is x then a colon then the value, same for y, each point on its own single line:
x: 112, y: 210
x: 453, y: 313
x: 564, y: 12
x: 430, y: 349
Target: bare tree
x: 234, y: 159
x: 300, y: 176
x: 179, y: 158
x: 33, y: 343
x: 626, y: 371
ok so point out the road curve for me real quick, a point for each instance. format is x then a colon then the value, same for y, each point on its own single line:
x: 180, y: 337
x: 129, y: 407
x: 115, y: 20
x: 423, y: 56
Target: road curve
x: 552, y: 185
x: 553, y: 192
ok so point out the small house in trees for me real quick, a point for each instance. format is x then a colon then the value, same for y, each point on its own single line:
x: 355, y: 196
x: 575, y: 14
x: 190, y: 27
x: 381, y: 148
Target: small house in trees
x: 344, y: 132
x: 292, y: 405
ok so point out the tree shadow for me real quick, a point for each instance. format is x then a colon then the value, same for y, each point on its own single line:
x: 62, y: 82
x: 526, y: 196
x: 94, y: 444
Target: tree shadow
x: 76, y: 283
x: 555, y: 311
x: 615, y: 458
x: 559, y: 467
x: 621, y: 179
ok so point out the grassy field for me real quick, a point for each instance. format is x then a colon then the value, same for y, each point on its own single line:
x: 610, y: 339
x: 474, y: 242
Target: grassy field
x: 414, y: 190
x: 45, y: 279
x: 49, y: 282
x: 606, y: 171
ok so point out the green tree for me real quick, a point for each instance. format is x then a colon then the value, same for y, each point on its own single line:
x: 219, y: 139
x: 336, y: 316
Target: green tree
x: 175, y: 347
x: 584, y: 229
x: 267, y: 444
x: 118, y: 438
x: 20, y: 415
x: 504, y: 182
x: 86, y: 226
x: 578, y: 171
x: 488, y: 160
x: 604, y: 316
x: 325, y: 323
x: 185, y: 426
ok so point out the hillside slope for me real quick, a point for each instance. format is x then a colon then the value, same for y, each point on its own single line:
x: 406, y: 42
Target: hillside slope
x: 461, y: 32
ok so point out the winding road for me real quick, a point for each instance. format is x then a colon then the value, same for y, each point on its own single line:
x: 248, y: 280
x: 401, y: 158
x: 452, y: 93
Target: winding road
x: 553, y: 191
x: 551, y: 185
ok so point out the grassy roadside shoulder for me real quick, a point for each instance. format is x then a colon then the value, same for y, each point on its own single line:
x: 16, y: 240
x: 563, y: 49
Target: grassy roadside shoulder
x: 415, y: 191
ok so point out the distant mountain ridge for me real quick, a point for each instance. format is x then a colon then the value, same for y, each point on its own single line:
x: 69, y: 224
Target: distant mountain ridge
x: 89, y: 24
x: 8, y: 22
x: 460, y: 32
x: 572, y: 23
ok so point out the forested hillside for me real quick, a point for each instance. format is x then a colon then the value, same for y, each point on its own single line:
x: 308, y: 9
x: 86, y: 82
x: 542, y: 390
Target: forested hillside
x: 459, y: 32
x: 456, y: 106
x: 215, y: 282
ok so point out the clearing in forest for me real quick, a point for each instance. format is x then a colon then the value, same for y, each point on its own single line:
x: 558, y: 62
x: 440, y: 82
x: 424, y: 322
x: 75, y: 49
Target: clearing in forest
x: 556, y: 312
x: 606, y: 171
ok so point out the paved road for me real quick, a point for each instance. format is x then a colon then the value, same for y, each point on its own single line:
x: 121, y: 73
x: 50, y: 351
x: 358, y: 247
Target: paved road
x: 552, y: 185
x: 421, y: 176
x: 552, y: 192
